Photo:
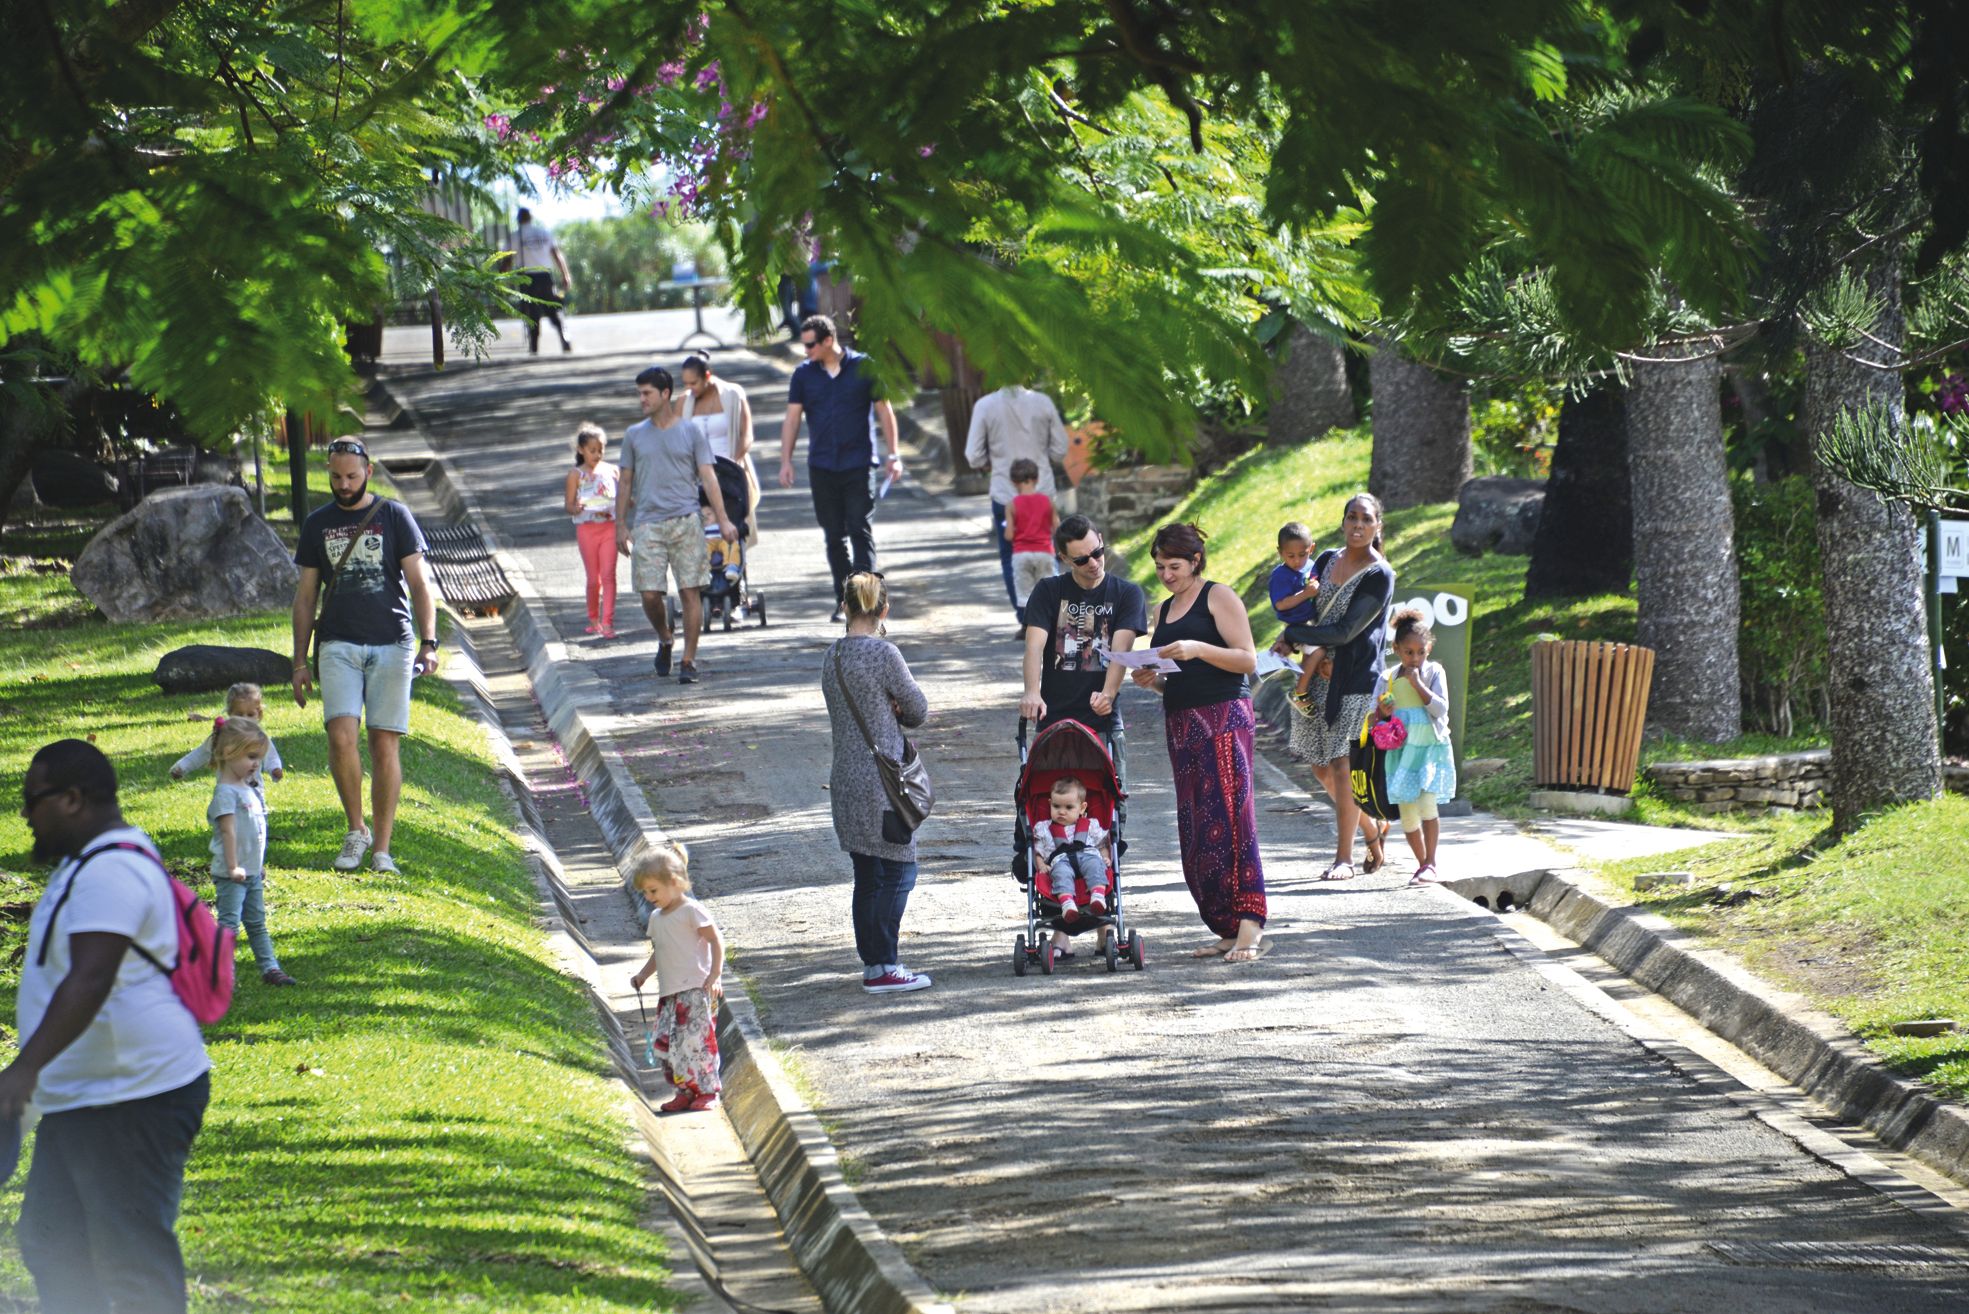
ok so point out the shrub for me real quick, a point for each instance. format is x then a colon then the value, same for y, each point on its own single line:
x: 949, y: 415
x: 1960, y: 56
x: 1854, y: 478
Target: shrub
x: 1782, y: 647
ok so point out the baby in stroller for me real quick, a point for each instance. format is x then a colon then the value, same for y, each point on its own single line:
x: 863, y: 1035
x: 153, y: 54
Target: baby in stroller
x: 1070, y: 838
x: 1075, y: 845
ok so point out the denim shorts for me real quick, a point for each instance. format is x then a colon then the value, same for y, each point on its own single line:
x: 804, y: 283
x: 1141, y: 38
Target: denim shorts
x: 369, y: 681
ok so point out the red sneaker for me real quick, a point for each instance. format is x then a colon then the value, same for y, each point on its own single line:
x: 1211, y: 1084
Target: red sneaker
x: 703, y: 1102
x: 678, y: 1105
x: 1097, y: 902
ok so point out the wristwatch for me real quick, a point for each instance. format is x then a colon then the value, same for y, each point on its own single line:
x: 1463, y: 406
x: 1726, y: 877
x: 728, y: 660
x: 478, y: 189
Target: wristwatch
x: 432, y: 644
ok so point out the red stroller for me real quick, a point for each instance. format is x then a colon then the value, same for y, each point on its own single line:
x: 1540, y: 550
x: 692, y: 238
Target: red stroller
x: 1068, y: 748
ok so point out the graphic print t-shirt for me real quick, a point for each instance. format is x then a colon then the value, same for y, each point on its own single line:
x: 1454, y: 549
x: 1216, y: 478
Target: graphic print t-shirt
x: 1080, y: 624
x: 369, y: 604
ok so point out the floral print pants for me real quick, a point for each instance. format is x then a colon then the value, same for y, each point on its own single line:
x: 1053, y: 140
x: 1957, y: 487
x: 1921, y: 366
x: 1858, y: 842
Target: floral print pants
x: 685, y: 1041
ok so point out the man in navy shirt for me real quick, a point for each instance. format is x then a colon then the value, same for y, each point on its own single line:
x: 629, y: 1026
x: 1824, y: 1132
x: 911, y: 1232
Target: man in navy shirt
x: 836, y: 389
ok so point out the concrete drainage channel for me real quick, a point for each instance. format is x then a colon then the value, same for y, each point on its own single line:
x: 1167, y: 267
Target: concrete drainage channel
x: 756, y: 1196
x: 1803, y: 1047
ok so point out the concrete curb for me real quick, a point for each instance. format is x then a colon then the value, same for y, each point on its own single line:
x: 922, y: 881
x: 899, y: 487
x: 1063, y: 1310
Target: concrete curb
x: 1781, y: 1030
x: 852, y: 1263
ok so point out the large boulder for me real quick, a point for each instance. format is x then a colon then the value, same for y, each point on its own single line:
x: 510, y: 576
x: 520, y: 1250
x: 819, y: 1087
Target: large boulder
x: 210, y: 667
x: 186, y: 554
x: 1496, y: 513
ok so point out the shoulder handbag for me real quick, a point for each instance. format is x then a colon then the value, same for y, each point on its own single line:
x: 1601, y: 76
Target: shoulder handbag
x: 907, y: 783
x: 328, y: 585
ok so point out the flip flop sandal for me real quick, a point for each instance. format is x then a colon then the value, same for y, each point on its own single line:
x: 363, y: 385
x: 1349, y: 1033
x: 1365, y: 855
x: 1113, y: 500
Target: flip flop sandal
x: 1426, y: 875
x: 1210, y: 951
x: 1331, y: 873
x: 1377, y: 856
x: 1256, y: 951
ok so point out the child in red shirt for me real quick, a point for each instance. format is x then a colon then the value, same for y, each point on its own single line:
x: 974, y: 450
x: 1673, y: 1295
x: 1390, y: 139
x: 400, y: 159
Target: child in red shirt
x: 1029, y: 525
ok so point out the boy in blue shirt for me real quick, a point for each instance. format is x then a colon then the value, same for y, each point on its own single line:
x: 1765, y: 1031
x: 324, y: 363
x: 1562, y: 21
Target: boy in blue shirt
x: 1293, y: 588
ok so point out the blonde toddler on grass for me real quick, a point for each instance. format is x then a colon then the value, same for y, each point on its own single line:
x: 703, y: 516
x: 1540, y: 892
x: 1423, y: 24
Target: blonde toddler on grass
x: 239, y: 839
x: 687, y: 958
x: 241, y: 700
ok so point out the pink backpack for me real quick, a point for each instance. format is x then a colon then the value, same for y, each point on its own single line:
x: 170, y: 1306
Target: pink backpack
x: 203, y: 974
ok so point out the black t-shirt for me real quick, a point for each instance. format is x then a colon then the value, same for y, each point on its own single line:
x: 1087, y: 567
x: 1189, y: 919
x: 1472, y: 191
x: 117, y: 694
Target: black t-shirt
x: 1196, y: 683
x: 1079, y: 625
x: 369, y: 604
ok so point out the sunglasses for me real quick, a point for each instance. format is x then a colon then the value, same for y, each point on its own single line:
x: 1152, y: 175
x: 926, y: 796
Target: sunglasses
x: 29, y: 800
x: 1083, y: 560
x: 812, y: 346
x: 347, y: 447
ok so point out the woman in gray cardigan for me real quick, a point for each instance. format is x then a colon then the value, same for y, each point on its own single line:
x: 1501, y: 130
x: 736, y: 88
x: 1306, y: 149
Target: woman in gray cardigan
x: 867, y: 668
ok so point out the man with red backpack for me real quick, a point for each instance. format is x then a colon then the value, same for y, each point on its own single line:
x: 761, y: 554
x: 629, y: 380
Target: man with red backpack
x: 111, y: 1056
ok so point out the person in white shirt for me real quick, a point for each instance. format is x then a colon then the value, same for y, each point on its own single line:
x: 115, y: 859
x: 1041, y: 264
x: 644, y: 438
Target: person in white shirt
x: 112, y: 1058
x: 536, y: 254
x: 724, y: 412
x: 1006, y: 425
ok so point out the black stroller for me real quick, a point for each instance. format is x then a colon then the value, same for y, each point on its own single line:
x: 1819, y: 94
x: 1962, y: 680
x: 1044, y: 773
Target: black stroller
x: 730, y: 598
x: 1063, y: 749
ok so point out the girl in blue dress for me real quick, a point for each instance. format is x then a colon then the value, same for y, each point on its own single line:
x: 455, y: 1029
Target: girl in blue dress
x: 1422, y: 770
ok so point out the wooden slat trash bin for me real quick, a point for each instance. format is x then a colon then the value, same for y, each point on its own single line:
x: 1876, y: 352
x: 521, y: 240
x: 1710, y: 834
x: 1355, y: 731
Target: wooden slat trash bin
x: 1589, y: 702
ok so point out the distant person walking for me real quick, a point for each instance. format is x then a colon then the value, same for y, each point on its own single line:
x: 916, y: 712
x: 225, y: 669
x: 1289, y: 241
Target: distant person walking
x: 724, y: 410
x: 589, y: 496
x: 1010, y: 424
x: 110, y: 1056
x: 1028, y: 532
x: 835, y: 390
x: 1208, y: 723
x: 1351, y: 625
x: 362, y: 558
x: 536, y: 253
x: 866, y: 682
x: 665, y: 460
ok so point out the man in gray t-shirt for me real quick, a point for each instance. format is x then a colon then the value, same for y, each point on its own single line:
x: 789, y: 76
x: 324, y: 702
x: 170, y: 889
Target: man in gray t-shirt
x: 665, y: 459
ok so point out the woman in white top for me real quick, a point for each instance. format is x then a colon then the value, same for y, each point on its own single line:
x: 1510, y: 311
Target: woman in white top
x: 725, y: 414
x: 589, y: 496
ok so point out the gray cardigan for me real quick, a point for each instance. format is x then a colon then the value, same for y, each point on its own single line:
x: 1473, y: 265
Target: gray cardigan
x: 890, y: 702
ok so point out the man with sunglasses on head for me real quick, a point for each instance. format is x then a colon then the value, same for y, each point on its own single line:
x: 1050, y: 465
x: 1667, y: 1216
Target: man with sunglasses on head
x: 378, y: 631
x: 835, y: 390
x: 1072, y: 621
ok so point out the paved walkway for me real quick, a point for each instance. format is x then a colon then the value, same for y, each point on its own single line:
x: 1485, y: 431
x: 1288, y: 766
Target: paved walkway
x: 1387, y: 1112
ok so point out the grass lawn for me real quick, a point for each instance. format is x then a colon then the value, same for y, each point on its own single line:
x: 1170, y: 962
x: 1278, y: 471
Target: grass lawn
x: 1873, y: 927
x: 430, y: 1120
x: 1241, y: 508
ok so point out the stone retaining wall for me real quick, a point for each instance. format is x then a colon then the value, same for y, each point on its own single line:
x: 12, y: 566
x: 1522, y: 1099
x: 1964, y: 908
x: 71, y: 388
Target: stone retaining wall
x: 1784, y: 780
x: 1734, y: 784
x: 1133, y: 496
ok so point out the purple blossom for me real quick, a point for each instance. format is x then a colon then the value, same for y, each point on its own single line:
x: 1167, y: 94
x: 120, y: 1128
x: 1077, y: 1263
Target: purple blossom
x: 756, y: 114
x: 1952, y: 395
x: 927, y: 151
x: 669, y: 72
x: 708, y: 75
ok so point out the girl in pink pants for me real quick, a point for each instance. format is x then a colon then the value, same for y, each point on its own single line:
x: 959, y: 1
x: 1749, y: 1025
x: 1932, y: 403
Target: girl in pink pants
x: 590, y: 497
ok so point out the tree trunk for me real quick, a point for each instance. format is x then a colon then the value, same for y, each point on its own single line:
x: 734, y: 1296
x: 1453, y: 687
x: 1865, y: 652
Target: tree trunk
x: 1884, y: 746
x: 1585, y: 540
x: 1421, y: 431
x: 1309, y: 389
x: 1685, y: 566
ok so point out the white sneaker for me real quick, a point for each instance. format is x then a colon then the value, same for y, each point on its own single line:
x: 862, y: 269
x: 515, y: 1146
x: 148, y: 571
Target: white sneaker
x: 354, y: 845
x: 383, y: 862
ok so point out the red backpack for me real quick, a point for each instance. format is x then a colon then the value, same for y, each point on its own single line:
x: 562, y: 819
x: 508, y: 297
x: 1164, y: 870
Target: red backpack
x: 203, y: 974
